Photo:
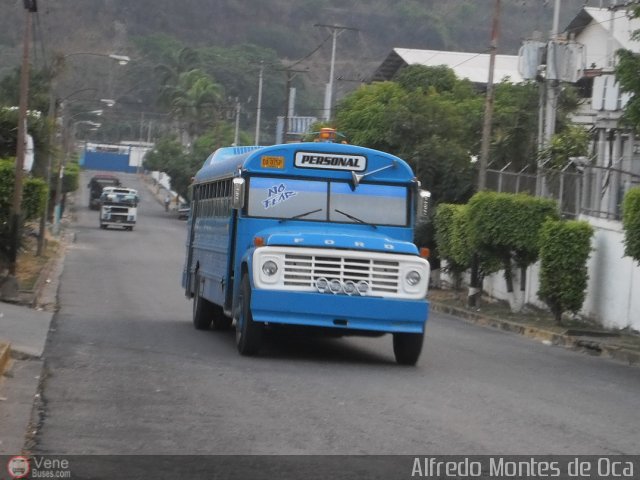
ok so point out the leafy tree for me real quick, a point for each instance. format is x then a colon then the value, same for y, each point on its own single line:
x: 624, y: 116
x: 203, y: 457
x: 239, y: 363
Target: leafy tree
x: 565, y: 248
x: 194, y: 100
x: 39, y: 81
x: 573, y: 141
x: 631, y: 223
x: 169, y: 157
x: 506, y: 228
x: 363, y: 116
x: 38, y: 128
x: 33, y: 196
x: 514, y: 130
x: 419, y: 77
x: 451, y: 238
x: 178, y: 62
x: 627, y: 74
x: 432, y: 131
x: 71, y: 177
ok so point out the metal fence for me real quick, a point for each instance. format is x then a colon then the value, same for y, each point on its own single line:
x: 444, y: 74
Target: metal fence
x: 592, y: 190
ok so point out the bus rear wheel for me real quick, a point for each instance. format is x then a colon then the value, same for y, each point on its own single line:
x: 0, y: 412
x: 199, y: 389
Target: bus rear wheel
x: 407, y: 347
x: 248, y: 333
x: 203, y: 310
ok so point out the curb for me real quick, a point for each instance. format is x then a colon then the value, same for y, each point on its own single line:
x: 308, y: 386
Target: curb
x: 5, y: 356
x: 32, y: 296
x: 592, y: 347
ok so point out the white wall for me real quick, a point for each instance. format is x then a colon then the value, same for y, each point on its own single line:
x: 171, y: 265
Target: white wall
x: 136, y: 155
x: 613, y: 289
x: 613, y: 292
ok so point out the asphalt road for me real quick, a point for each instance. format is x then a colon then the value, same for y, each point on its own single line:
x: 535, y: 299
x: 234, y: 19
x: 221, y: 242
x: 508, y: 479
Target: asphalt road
x: 127, y: 373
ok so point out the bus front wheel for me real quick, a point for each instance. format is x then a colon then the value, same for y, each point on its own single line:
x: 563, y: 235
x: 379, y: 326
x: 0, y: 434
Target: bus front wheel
x: 248, y: 333
x: 407, y: 347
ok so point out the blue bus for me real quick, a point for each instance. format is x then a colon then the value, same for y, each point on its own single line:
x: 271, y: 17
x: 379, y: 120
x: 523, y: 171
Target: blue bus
x: 314, y: 234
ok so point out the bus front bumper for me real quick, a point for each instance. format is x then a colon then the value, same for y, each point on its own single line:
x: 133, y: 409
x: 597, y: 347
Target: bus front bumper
x: 339, y: 311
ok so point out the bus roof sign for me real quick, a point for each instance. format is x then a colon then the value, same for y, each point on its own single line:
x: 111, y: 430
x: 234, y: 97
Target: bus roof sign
x: 331, y: 161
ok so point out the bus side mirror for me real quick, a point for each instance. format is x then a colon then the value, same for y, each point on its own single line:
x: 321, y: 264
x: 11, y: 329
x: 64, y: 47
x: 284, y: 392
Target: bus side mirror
x: 424, y: 198
x: 237, y: 193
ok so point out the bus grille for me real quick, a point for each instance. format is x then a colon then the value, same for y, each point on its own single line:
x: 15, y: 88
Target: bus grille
x: 382, y: 276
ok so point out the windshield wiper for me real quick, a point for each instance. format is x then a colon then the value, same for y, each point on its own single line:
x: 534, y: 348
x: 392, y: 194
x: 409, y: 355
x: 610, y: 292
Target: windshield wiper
x: 300, y: 215
x: 355, y: 219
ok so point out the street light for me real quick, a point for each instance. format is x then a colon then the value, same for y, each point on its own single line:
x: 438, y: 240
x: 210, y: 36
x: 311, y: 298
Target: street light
x: 122, y: 60
x: 63, y: 161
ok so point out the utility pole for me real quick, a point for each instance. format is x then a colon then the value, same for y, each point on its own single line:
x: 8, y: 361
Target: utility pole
x: 285, y: 127
x: 552, y: 84
x: 237, y: 132
x: 290, y: 76
x: 259, y: 107
x: 488, y: 105
x: 475, y: 287
x: 51, y: 118
x: 551, y: 100
x: 328, y: 96
x: 16, y: 207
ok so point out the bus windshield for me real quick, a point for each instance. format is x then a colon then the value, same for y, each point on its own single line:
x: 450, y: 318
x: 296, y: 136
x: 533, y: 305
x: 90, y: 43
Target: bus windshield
x: 327, y: 201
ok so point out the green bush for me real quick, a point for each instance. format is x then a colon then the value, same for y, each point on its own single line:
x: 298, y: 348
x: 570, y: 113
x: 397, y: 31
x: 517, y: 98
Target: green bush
x: 70, y: 180
x: 34, y: 195
x: 451, y: 235
x: 34, y: 191
x: 33, y: 198
x: 631, y: 223
x: 565, y: 248
x: 505, y: 228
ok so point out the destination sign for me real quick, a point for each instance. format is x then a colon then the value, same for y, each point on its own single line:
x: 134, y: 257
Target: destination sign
x: 331, y: 161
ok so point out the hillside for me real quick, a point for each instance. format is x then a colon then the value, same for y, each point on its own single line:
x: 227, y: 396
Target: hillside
x: 287, y: 26
x: 232, y: 35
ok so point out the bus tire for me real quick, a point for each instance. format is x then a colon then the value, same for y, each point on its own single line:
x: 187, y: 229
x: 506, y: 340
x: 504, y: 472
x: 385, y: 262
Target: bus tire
x: 202, y: 309
x: 407, y: 347
x: 248, y: 333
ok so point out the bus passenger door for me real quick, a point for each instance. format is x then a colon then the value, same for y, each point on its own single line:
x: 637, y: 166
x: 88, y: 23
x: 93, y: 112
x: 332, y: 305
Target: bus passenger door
x: 192, y: 228
x: 230, y: 276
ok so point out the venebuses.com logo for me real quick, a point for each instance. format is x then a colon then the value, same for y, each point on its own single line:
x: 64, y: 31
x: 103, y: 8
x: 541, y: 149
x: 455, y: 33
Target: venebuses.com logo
x: 38, y: 466
x: 18, y: 467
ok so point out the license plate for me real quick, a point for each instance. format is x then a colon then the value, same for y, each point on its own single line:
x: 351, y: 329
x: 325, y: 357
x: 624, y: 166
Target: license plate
x: 272, y: 162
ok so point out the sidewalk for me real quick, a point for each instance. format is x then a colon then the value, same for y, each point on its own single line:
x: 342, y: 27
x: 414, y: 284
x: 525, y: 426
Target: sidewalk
x: 622, y: 346
x: 23, y: 334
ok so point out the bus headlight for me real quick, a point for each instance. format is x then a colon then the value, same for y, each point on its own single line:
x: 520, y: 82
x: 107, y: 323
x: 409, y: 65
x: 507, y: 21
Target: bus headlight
x: 335, y: 286
x: 269, y: 268
x: 363, y: 287
x: 413, y: 278
x: 350, y: 287
x: 322, y: 284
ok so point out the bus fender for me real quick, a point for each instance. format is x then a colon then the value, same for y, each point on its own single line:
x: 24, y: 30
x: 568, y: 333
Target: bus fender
x: 246, y: 265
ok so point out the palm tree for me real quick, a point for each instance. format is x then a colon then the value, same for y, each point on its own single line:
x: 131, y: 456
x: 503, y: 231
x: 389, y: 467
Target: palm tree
x: 194, y: 102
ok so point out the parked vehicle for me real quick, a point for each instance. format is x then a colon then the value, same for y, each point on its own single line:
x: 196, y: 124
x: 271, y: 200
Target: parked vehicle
x: 310, y: 234
x: 97, y: 184
x: 118, y: 207
x: 183, y: 211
